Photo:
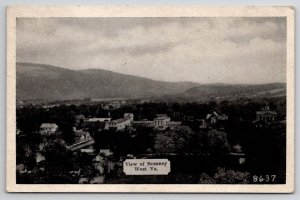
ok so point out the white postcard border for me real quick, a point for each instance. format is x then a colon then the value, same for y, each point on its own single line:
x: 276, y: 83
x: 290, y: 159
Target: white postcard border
x: 14, y: 12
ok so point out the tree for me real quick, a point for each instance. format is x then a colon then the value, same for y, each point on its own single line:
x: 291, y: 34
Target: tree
x: 58, y: 160
x: 217, y: 142
x: 225, y: 176
x: 164, y: 144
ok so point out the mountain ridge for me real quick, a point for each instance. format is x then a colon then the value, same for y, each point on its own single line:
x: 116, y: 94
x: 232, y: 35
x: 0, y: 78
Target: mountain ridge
x: 47, y: 82
x: 33, y: 79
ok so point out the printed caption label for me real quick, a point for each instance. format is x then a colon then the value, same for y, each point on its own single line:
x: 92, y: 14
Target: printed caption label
x: 146, y: 166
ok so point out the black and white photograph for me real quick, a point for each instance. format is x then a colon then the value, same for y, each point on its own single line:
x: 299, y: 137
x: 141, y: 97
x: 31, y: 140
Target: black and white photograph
x: 159, y: 100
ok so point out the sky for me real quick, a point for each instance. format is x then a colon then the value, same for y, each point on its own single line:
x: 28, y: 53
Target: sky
x: 197, y: 49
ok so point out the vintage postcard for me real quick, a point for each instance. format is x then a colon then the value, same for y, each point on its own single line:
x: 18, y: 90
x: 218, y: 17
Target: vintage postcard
x: 150, y: 99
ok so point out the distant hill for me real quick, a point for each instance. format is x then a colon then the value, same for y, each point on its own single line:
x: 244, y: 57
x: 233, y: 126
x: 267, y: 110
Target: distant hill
x: 46, y: 82
x: 49, y: 83
x: 231, y: 92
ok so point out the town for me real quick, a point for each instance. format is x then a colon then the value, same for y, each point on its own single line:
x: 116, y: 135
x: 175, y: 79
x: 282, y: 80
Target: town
x: 205, y: 142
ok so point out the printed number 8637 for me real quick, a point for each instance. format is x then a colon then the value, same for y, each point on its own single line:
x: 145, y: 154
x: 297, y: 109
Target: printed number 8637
x: 263, y: 178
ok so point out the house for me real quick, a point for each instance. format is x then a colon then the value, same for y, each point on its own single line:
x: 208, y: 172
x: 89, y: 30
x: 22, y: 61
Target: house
x: 173, y: 124
x: 129, y: 116
x: 216, y: 116
x: 105, y: 152
x: 39, y: 157
x: 82, y: 145
x: 83, y: 140
x: 48, y: 128
x: 101, y: 162
x: 89, y: 151
x: 161, y: 122
x: 81, y: 136
x: 118, y: 124
x: 266, y: 115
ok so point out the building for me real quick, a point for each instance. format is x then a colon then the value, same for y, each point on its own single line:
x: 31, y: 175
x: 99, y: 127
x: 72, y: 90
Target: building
x: 83, y: 140
x: 129, y: 116
x: 89, y: 151
x: 48, y: 128
x: 173, y: 124
x: 266, y: 115
x: 161, y: 122
x: 81, y: 136
x: 118, y: 124
x: 161, y: 115
x: 103, y: 119
x: 39, y: 158
x: 105, y: 152
x: 143, y: 123
x: 215, y: 117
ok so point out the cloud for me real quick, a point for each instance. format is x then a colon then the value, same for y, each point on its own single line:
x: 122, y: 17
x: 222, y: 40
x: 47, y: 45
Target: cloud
x: 205, y: 50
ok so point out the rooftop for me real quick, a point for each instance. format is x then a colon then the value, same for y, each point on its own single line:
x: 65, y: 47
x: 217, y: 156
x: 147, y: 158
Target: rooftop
x: 102, y: 119
x: 48, y: 125
x: 161, y: 118
x: 81, y: 132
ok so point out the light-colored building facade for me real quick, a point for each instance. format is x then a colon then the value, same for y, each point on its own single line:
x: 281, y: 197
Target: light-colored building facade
x: 129, y: 116
x: 104, y: 119
x: 48, y: 128
x: 161, y: 121
x: 215, y: 116
x: 118, y: 124
x: 266, y: 115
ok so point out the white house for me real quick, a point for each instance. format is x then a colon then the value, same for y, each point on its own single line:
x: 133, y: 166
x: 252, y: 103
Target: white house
x: 129, y: 116
x: 266, y: 115
x: 48, y: 128
x: 161, y: 121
